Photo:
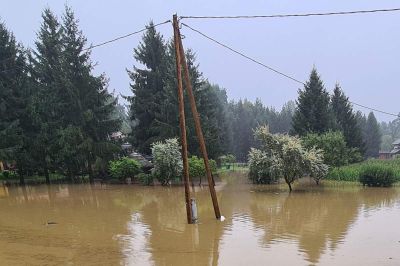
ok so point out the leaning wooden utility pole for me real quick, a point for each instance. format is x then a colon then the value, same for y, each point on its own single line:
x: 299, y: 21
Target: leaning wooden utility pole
x: 182, y: 121
x: 196, y: 118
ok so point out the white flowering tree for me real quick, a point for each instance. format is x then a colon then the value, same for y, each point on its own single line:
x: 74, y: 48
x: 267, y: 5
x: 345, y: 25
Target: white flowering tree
x: 283, y: 156
x: 315, y: 164
x: 167, y: 160
x: 260, y: 167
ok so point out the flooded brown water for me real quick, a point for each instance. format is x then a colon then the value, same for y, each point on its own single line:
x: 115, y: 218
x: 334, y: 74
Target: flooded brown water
x: 134, y: 225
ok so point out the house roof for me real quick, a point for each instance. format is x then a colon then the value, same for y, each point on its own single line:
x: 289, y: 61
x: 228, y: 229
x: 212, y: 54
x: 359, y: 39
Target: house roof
x: 395, y: 151
x: 396, y: 142
x: 140, y: 158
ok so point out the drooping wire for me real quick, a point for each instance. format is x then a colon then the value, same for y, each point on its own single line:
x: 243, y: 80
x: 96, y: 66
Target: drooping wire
x: 294, y: 15
x: 126, y: 35
x: 273, y: 69
x: 243, y: 55
x: 106, y: 42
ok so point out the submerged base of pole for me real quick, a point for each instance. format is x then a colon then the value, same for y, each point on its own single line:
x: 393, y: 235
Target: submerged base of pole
x: 193, y: 206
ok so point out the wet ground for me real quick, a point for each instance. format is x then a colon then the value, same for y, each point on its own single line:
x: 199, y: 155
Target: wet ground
x: 135, y: 225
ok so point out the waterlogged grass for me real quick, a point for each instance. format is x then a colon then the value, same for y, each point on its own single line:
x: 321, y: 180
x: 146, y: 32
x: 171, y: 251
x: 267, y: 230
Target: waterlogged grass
x: 353, y: 172
x: 236, y: 167
x: 12, y: 177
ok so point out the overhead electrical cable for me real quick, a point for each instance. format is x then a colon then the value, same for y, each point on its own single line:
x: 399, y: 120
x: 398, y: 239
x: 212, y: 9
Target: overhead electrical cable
x: 126, y: 35
x: 273, y: 69
x: 294, y: 15
x: 106, y: 42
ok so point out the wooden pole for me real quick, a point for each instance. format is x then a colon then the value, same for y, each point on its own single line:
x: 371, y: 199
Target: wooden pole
x: 197, y: 123
x: 182, y: 121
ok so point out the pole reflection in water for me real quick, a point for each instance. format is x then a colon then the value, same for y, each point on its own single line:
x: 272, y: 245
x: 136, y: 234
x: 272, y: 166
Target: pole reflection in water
x: 135, y: 225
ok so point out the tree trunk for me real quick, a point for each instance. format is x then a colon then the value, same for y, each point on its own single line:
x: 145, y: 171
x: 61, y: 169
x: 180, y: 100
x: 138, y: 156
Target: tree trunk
x: 90, y: 170
x: 289, y: 184
x: 21, y: 179
x: 70, y: 175
x: 46, y: 174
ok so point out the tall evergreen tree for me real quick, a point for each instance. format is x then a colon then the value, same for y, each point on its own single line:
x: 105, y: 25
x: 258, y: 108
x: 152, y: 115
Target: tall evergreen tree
x: 211, y: 104
x: 50, y: 97
x: 281, y: 121
x: 242, y: 129
x: 313, y: 113
x: 12, y: 74
x: 148, y: 87
x: 222, y: 120
x: 345, y: 119
x: 154, y: 105
x: 14, y: 101
x: 88, y: 117
x: 373, y: 136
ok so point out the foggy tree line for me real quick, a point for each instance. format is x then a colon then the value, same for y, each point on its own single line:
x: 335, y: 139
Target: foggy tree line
x: 390, y: 133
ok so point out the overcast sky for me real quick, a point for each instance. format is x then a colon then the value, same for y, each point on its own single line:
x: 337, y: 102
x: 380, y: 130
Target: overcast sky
x: 361, y: 52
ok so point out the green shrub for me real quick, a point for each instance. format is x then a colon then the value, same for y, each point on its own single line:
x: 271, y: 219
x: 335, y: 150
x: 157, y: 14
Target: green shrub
x: 354, y: 172
x: 213, y: 165
x: 145, y: 179
x: 333, y: 144
x: 377, y: 176
x: 124, y: 168
x: 227, y: 160
x: 7, y: 175
x: 345, y: 173
x: 197, y: 168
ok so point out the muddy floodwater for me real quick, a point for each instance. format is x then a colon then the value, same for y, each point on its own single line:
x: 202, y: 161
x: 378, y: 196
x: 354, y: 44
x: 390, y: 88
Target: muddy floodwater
x: 135, y: 225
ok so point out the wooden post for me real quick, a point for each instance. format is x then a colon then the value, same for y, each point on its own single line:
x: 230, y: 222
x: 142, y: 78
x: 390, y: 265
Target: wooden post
x: 182, y: 121
x: 196, y: 118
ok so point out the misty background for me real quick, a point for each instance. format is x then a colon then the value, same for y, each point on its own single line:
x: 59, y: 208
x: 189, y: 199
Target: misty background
x: 358, y: 51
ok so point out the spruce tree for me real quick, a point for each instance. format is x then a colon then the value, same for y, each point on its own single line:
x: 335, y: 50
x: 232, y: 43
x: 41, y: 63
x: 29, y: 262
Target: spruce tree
x: 154, y: 105
x: 243, y: 125
x: 345, y: 119
x: 222, y: 122
x: 14, y: 101
x: 50, y: 97
x: 313, y: 113
x: 373, y: 136
x: 88, y: 116
x: 148, y: 88
x: 283, y: 123
x: 211, y: 104
x: 11, y: 102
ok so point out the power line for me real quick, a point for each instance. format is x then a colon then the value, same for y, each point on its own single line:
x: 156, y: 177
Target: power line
x: 273, y: 69
x: 376, y: 110
x: 103, y: 43
x: 245, y: 56
x: 126, y: 35
x: 294, y: 15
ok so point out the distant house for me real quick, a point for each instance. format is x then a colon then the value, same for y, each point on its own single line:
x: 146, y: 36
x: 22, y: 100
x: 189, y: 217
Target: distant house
x: 117, y: 135
x: 391, y: 154
x: 396, y: 148
x: 146, y: 164
x: 384, y: 155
